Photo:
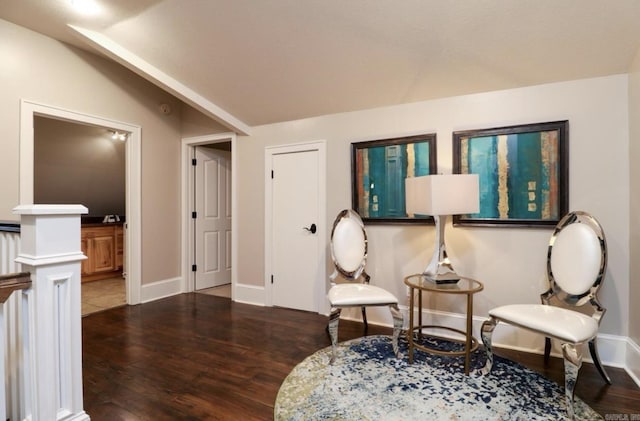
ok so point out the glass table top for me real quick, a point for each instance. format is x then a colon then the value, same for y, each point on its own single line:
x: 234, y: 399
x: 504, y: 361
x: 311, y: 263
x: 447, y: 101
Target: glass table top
x: 463, y: 286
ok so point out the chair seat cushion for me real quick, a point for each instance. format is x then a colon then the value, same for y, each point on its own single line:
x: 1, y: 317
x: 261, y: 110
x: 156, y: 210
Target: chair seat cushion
x: 565, y: 325
x: 359, y: 294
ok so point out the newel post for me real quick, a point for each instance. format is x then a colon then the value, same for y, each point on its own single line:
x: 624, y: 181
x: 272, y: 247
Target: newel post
x: 51, y: 252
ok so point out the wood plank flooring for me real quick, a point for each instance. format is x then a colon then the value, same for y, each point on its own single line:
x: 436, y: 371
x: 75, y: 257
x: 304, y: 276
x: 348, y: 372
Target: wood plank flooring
x: 201, y: 357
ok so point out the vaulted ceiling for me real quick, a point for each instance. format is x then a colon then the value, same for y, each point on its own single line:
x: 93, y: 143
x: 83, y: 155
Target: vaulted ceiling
x: 263, y: 61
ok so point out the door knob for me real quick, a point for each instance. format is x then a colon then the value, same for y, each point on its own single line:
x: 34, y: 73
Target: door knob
x: 312, y: 229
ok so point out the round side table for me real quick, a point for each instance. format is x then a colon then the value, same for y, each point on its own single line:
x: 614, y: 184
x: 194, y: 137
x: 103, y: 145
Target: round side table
x: 465, y: 286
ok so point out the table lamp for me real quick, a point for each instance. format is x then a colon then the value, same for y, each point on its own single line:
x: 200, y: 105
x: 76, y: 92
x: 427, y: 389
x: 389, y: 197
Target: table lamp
x: 440, y: 196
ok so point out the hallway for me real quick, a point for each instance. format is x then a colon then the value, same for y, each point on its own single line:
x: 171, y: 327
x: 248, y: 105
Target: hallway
x: 103, y: 294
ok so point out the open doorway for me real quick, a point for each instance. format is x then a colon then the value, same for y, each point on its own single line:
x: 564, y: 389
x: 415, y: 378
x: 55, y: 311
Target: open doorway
x: 209, y: 203
x: 131, y: 232
x: 212, y: 218
x: 85, y: 164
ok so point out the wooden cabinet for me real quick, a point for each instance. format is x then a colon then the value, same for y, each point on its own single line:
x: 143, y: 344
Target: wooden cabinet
x: 103, y: 246
x: 119, y: 247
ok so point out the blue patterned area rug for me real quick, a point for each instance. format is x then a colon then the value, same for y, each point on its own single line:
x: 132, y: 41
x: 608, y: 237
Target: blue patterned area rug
x: 368, y: 383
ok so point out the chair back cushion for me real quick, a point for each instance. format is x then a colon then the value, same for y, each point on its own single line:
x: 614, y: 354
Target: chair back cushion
x: 349, y: 244
x: 577, y: 255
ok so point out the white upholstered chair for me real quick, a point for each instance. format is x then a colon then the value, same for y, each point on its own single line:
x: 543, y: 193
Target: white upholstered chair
x: 349, y: 253
x: 576, y: 264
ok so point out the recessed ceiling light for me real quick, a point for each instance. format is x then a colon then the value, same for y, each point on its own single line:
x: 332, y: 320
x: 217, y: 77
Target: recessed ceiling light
x: 86, y: 7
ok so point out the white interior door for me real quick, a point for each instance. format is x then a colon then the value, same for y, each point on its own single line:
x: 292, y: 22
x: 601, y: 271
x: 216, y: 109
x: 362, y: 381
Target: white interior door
x: 213, y: 217
x: 295, y: 248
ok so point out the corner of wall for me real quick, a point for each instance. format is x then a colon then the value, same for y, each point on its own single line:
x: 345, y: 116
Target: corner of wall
x: 161, y: 289
x: 194, y: 123
x: 634, y: 198
x: 249, y: 294
x: 632, y: 363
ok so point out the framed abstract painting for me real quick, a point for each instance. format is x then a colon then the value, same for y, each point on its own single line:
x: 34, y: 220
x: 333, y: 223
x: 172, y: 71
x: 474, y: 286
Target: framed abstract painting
x: 378, y: 171
x: 523, y: 172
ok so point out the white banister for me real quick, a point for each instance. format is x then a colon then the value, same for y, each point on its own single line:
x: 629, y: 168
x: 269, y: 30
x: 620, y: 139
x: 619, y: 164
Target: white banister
x: 50, y: 251
x: 14, y: 325
x: 9, y: 249
x: 13, y: 349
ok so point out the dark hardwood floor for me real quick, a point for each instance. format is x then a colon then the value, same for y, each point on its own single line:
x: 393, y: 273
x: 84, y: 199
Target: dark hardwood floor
x: 199, y: 357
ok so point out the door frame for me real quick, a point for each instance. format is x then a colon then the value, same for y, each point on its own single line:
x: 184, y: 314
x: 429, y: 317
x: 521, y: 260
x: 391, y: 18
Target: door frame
x: 188, y: 235
x: 28, y: 111
x: 321, y: 278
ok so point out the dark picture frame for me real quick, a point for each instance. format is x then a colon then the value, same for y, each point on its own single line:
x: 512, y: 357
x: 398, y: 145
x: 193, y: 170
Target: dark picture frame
x: 523, y: 172
x: 378, y: 171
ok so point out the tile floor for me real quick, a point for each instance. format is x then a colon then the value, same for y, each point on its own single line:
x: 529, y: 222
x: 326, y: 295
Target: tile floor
x: 103, y: 294
x: 221, y: 291
x: 109, y: 293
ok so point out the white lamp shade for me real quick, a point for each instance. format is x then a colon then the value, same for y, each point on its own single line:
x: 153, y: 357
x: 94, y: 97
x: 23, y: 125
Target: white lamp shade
x: 443, y: 194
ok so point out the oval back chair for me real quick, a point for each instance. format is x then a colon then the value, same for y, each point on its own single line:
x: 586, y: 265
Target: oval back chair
x: 349, y: 254
x: 576, y: 264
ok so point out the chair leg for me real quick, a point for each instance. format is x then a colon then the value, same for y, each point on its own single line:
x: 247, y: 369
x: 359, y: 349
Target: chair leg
x: 334, y: 319
x: 397, y: 328
x: 593, y: 349
x: 364, y: 320
x: 572, y: 364
x: 486, y: 331
x: 547, y: 350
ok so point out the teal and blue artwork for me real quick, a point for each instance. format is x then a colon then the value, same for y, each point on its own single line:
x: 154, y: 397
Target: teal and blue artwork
x: 379, y: 170
x: 522, y: 172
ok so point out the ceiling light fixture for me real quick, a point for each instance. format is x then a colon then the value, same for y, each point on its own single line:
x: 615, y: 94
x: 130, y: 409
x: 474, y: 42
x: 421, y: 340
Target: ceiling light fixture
x: 86, y: 7
x: 116, y: 135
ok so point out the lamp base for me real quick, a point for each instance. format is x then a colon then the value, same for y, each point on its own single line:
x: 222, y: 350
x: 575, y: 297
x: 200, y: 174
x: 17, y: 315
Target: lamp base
x: 439, y: 269
x: 449, y: 278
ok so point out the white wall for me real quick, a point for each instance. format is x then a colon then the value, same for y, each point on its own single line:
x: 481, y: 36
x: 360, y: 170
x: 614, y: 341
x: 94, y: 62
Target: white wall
x: 194, y: 123
x: 40, y: 69
x: 77, y: 163
x: 632, y: 360
x: 510, y: 261
x: 634, y: 194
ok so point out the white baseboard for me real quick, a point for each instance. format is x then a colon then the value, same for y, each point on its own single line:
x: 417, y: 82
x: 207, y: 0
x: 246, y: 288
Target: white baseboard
x: 242, y: 293
x: 632, y: 365
x: 611, y: 348
x: 160, y: 289
x: 248, y: 294
x: 79, y: 416
x: 614, y: 350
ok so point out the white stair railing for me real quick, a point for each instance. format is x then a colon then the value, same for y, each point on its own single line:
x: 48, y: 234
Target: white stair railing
x: 14, y: 326
x: 45, y: 379
x: 9, y: 249
x: 13, y: 354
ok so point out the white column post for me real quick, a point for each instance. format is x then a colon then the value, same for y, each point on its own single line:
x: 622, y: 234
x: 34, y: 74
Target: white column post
x: 51, y: 252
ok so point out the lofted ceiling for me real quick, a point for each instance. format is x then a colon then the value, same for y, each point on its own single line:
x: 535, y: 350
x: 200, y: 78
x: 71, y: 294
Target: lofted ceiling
x: 266, y: 61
